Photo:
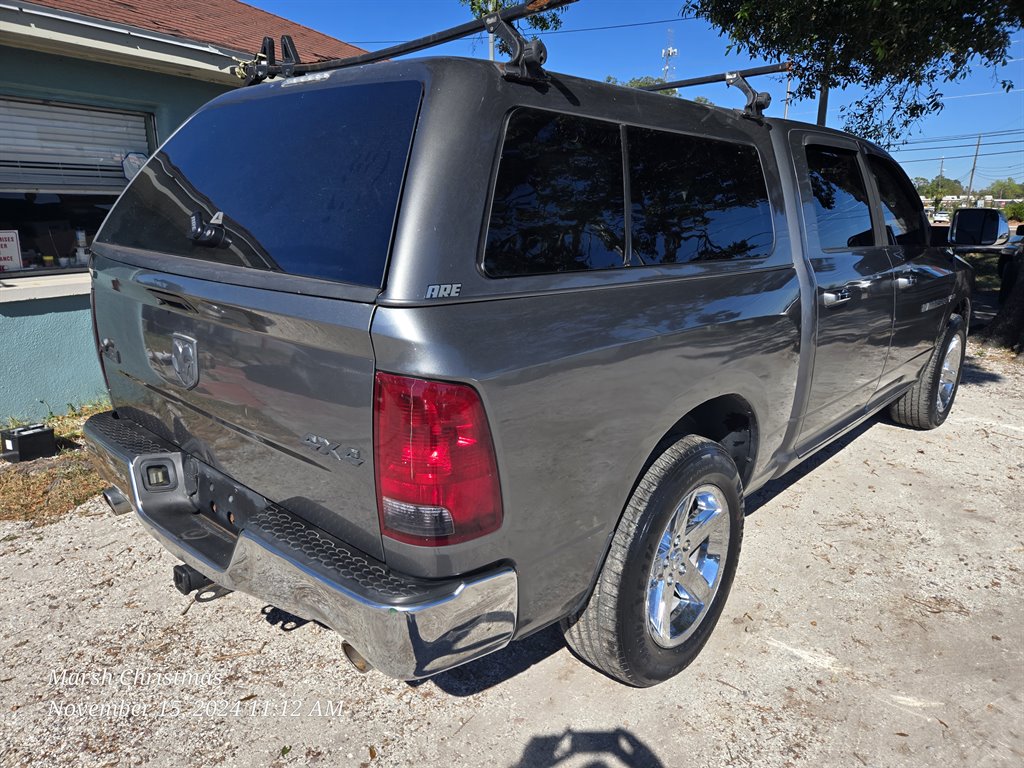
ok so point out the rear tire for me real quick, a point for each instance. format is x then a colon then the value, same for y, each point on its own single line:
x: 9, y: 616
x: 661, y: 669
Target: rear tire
x: 927, y: 405
x: 669, y: 569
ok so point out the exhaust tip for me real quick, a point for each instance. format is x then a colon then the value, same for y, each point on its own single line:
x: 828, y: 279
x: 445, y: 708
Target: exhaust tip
x: 355, y: 658
x: 116, y: 500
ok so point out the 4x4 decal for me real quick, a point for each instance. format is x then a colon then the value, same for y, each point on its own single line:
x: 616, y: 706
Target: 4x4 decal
x: 326, y: 447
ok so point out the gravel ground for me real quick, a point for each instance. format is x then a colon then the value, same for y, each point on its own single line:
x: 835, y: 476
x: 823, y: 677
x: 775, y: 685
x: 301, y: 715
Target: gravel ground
x: 876, y: 620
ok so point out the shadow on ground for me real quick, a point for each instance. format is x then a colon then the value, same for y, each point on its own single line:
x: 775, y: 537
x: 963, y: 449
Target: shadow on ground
x: 973, y: 374
x: 773, y: 488
x: 496, y: 668
x: 599, y: 749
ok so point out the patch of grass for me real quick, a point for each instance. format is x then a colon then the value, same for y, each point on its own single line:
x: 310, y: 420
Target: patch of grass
x: 43, y: 490
x: 986, y: 278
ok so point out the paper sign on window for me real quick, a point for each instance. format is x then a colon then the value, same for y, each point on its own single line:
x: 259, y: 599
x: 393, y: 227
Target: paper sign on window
x: 10, y: 250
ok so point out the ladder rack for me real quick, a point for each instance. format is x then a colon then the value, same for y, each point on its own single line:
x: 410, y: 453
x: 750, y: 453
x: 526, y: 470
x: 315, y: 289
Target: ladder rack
x: 527, y: 56
x: 757, y: 101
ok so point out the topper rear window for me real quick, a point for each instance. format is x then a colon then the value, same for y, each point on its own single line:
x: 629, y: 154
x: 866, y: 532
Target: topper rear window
x: 304, y: 182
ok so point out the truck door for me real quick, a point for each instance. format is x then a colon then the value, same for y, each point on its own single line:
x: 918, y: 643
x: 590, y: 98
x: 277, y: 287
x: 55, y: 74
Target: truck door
x: 853, y: 284
x: 924, y: 275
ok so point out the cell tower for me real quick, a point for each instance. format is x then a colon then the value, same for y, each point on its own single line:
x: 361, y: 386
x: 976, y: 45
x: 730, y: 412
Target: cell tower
x: 668, y: 53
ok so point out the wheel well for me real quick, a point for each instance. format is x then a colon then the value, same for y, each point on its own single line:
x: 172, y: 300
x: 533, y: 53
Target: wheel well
x: 964, y: 310
x: 728, y: 420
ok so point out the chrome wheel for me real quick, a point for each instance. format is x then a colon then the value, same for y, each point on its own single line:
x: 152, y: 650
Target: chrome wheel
x: 688, y: 566
x: 949, y: 374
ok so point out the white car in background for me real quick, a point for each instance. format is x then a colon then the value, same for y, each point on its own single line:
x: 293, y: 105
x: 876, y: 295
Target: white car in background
x: 940, y: 217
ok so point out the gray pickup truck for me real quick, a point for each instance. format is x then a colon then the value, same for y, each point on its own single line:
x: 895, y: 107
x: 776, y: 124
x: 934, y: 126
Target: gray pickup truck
x: 445, y: 357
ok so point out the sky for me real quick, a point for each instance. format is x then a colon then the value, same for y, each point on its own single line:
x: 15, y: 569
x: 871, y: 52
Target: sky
x: 635, y: 34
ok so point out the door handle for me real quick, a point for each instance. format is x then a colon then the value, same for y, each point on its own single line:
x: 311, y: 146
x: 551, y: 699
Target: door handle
x: 906, y: 280
x: 835, y: 298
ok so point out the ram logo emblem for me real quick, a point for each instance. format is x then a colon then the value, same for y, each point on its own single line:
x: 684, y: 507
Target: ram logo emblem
x: 185, y: 360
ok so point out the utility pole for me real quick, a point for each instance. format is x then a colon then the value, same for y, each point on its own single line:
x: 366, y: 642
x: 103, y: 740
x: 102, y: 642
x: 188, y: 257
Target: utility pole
x: 970, y: 183
x: 789, y: 94
x: 822, y: 105
x: 490, y: 36
x: 823, y: 94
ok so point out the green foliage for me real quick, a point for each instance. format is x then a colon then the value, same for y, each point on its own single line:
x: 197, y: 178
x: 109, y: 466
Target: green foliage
x: 541, y: 22
x: 641, y: 82
x: 938, y: 188
x: 900, y: 52
x: 1004, y: 189
x: 1014, y: 211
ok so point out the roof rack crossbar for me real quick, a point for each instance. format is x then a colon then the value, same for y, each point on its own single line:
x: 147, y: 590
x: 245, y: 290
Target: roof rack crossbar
x: 257, y: 70
x: 757, y: 101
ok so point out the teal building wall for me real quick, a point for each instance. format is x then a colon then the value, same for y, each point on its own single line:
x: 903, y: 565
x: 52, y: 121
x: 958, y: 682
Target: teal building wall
x: 47, y: 358
x: 47, y: 353
x: 33, y: 75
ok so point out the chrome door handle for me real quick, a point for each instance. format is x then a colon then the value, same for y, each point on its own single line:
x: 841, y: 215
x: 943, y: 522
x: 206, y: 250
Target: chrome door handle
x: 906, y: 280
x: 835, y: 298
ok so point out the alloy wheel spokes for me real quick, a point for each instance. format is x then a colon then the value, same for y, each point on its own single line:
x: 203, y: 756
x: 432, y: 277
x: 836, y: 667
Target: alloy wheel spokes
x: 687, y: 568
x: 949, y: 374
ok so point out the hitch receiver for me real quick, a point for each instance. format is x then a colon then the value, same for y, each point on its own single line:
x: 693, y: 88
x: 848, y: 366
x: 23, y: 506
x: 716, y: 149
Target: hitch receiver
x: 187, y: 579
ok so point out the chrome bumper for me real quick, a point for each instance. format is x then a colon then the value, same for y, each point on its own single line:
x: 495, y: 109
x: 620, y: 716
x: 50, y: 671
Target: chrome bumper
x: 407, y: 628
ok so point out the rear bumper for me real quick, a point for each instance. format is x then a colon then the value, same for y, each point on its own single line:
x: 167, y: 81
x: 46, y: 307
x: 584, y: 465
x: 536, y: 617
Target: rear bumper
x: 407, y: 628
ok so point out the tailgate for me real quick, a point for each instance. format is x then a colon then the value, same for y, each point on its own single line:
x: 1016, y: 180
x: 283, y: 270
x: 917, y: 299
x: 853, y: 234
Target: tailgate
x: 282, y: 400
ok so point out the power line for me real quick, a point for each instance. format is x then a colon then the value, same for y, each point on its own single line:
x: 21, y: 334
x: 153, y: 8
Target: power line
x: 957, y: 157
x: 554, y: 31
x: 983, y: 93
x: 953, y: 146
x: 617, y: 26
x: 962, y: 136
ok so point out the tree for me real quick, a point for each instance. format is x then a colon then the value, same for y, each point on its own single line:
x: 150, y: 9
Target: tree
x: 940, y: 187
x: 542, y: 22
x: 900, y: 52
x: 641, y: 82
x: 1014, y: 212
x: 1003, y: 189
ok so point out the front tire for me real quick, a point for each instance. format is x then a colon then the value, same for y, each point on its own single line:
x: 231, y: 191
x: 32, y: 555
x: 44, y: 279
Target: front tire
x: 669, y: 569
x: 927, y: 405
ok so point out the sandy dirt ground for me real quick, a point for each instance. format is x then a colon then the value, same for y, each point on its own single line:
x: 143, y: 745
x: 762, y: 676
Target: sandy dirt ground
x: 877, y: 619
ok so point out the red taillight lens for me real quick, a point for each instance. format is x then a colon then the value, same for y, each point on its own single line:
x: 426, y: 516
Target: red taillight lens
x: 437, y: 479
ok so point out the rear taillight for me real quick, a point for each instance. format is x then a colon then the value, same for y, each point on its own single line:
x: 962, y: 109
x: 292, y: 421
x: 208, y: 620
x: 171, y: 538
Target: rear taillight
x: 437, y: 480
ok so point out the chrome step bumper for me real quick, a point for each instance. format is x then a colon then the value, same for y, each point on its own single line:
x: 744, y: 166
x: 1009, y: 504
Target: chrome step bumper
x: 408, y: 628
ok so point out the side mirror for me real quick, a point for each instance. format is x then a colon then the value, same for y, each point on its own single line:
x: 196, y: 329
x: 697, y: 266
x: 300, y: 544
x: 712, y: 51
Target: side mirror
x: 1020, y: 230
x: 978, y: 226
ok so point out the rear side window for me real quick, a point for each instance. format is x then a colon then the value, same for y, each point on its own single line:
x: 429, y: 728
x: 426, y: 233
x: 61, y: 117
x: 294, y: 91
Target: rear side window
x: 305, y: 182
x: 558, y: 201
x: 901, y: 206
x: 840, y: 198
x: 696, y: 199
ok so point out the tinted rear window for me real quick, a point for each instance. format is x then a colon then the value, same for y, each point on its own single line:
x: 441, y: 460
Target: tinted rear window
x: 560, y: 200
x: 306, y: 182
x: 558, y: 204
x: 696, y: 199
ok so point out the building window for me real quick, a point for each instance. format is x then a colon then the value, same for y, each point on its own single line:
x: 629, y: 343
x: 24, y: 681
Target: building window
x: 62, y: 166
